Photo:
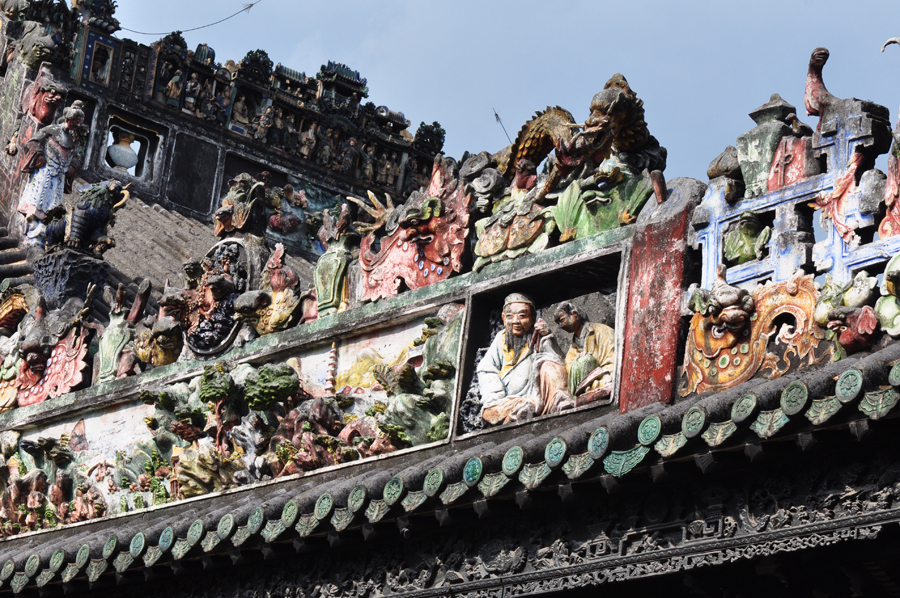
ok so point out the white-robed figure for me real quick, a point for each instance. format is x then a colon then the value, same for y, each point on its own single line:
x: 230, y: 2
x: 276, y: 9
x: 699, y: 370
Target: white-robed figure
x: 522, y: 375
x: 48, y: 158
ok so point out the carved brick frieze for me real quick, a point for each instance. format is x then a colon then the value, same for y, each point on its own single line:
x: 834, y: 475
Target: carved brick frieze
x: 600, y: 539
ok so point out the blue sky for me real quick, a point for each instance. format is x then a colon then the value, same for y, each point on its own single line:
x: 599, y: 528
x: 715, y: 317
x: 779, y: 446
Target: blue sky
x: 700, y: 67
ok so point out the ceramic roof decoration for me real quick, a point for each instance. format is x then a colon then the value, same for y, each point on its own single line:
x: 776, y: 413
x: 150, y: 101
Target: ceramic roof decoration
x: 257, y: 339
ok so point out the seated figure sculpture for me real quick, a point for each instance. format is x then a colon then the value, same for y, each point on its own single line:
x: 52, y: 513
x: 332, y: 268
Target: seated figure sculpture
x: 522, y: 375
x: 592, y: 355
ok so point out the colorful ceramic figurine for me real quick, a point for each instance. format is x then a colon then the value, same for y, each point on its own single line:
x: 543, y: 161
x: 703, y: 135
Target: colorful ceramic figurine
x: 331, y: 269
x: 421, y: 240
x: 522, y: 375
x: 50, y: 162
x: 592, y: 355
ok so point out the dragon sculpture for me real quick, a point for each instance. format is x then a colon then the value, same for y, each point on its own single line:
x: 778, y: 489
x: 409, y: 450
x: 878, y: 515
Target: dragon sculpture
x: 421, y: 240
x: 600, y: 176
x: 85, y: 227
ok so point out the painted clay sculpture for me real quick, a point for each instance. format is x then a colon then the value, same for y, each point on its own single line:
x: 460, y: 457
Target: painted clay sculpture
x: 277, y: 304
x: 243, y: 208
x: 887, y: 308
x: 331, y: 269
x: 39, y: 105
x: 746, y: 240
x: 85, y: 227
x: 422, y: 240
x: 523, y: 374
x: 115, y: 359
x: 53, y: 352
x: 50, y: 160
x: 890, y: 226
x: 591, y: 357
x: 846, y: 310
x: 730, y: 333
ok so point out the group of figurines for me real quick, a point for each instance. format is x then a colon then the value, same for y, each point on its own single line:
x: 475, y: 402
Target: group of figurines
x: 235, y: 425
x: 523, y: 373
x: 598, y: 178
x: 351, y: 398
x: 293, y: 117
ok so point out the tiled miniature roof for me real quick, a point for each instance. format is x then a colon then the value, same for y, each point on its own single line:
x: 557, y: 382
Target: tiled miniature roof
x: 160, y: 241
x: 482, y: 468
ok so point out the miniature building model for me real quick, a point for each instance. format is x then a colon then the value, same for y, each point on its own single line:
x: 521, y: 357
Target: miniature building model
x: 257, y: 339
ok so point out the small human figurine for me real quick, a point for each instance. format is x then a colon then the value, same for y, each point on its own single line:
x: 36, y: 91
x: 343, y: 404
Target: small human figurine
x: 192, y: 91
x: 165, y: 77
x: 174, y: 484
x: 51, y: 160
x: 100, y: 65
x: 290, y: 133
x: 308, y: 142
x: 391, y: 170
x: 398, y: 169
x: 239, y: 112
x: 334, y: 163
x: 326, y: 150
x: 522, y: 375
x: 349, y: 158
x: 382, y: 169
x: 592, y: 355
x: 263, y: 123
x: 275, y: 133
x: 368, y: 164
x: 411, y: 178
x: 173, y: 90
x: 223, y: 105
x: 206, y: 102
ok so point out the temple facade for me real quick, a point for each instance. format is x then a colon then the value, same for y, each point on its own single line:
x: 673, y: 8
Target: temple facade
x: 259, y: 339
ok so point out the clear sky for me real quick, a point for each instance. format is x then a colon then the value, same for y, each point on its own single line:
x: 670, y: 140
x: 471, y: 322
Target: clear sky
x: 700, y: 67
